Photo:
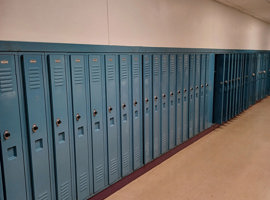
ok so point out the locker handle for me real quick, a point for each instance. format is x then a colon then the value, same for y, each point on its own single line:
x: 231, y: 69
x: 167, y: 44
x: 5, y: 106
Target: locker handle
x: 185, y: 90
x: 201, y: 86
x: 123, y: 106
x: 6, y: 135
x: 178, y: 91
x: 110, y: 109
x: 225, y: 82
x: 191, y: 89
x: 155, y: 98
x: 171, y: 93
x: 206, y: 84
x: 253, y: 74
x: 135, y: 103
x: 58, y: 122
x: 163, y: 95
x: 197, y: 87
x: 264, y: 71
x: 146, y: 100
x: 95, y: 113
x: 34, y: 128
x: 78, y: 117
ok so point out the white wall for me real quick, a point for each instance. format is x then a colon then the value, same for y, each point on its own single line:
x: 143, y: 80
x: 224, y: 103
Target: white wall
x: 165, y: 23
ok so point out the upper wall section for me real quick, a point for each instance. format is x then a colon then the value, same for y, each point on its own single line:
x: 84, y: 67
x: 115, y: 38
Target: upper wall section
x: 157, y: 23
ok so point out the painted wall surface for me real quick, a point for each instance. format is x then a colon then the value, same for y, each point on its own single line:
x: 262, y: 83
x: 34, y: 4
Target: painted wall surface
x: 160, y: 23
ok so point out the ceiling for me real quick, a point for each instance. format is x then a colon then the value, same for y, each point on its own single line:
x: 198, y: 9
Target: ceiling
x: 257, y: 8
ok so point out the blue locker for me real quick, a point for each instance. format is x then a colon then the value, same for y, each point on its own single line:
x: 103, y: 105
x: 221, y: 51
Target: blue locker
x: 156, y: 106
x: 113, y: 122
x: 258, y: 77
x: 99, y: 136
x: 37, y: 126
x: 137, y: 111
x: 197, y: 94
x: 172, y: 89
x: 246, y: 81
x: 1, y: 184
x: 82, y: 133
x: 164, y: 103
x: 186, y: 98
x: 202, y: 89
x: 179, y: 108
x: 147, y: 104
x: 226, y: 87
x: 11, y: 131
x: 61, y: 127
x: 125, y: 98
x: 191, y: 95
x: 231, y: 65
x: 238, y: 64
x: 254, y: 79
x: 234, y: 84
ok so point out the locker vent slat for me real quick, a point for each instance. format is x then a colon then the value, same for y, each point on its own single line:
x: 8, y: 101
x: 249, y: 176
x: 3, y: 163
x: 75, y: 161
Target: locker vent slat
x: 34, y: 78
x: 125, y: 158
x: 78, y: 74
x: 124, y: 70
x: 172, y: 65
x: 100, y: 173
x: 58, y: 75
x: 83, y: 181
x: 136, y: 70
x: 64, y: 190
x: 113, y: 168
x: 156, y: 66
x: 6, y: 83
x: 43, y: 196
x: 111, y: 72
x: 95, y: 73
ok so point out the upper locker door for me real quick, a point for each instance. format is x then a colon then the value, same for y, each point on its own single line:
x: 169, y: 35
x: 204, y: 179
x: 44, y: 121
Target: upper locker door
x: 62, y: 133
x: 39, y: 138
x: 197, y: 94
x: 191, y: 110
x: 137, y: 111
x: 164, y: 103
x: 113, y: 118
x: 126, y: 134
x: 172, y: 89
x: 80, y: 99
x: 202, y: 91
x: 179, y: 99
x: 147, y: 105
x: 99, y: 136
x: 11, y: 131
x: 156, y: 105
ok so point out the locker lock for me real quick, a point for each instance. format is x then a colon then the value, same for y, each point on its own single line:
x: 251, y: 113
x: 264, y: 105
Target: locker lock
x: 146, y: 100
x: 185, y: 90
x: 163, y: 95
x: 197, y: 87
x: 201, y: 86
x: 206, y: 84
x: 78, y: 117
x: 34, y: 128
x: 171, y: 93
x: 110, y: 109
x: 226, y: 82
x: 191, y: 89
x: 123, y: 106
x: 155, y: 98
x: 253, y: 74
x: 58, y: 122
x: 264, y: 72
x: 178, y: 91
x: 94, y: 112
x: 6, y: 135
x: 135, y: 103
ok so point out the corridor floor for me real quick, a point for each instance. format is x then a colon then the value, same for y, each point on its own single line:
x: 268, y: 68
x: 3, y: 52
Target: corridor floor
x: 230, y: 163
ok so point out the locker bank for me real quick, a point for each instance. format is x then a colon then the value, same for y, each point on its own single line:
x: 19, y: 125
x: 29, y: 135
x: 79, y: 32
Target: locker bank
x: 81, y: 118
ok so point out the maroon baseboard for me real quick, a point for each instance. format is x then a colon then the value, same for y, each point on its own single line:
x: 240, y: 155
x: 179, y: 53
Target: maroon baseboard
x: 124, y: 181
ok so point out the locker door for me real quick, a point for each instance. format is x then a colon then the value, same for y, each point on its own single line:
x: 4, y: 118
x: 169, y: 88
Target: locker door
x: 113, y: 123
x: 231, y: 84
x: 197, y: 94
x: 164, y: 103
x: 186, y: 98
x: 147, y: 96
x: 247, y: 82
x: 226, y: 87
x: 238, y: 64
x: 156, y: 105
x: 137, y: 111
x: 202, y: 89
x: 1, y: 184
x: 37, y: 126
x: 13, y: 160
x: 254, y: 75
x: 62, y: 133
x: 191, y: 95
x: 125, y: 95
x: 179, y: 108
x: 234, y: 84
x: 258, y: 78
x: 99, y: 136
x: 81, y: 132
x: 172, y: 135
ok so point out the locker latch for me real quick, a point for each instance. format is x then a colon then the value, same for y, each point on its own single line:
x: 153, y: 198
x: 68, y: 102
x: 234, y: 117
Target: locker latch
x: 135, y: 103
x: 58, y: 122
x: 171, y: 93
x: 155, y: 98
x: 201, y: 86
x: 34, y: 128
x: 178, y: 91
x: 146, y: 100
x: 206, y: 84
x: 78, y: 117
x: 95, y: 113
x: 185, y: 90
x: 124, y: 106
x: 110, y: 109
x: 6, y: 135
x: 163, y: 95
x: 253, y: 74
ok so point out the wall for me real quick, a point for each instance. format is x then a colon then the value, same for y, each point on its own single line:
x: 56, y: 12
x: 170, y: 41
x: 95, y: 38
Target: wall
x: 164, y: 23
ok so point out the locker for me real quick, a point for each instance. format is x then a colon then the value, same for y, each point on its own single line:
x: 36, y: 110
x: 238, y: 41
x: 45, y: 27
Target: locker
x: 179, y: 108
x: 61, y: 126
x: 13, y: 158
x: 186, y: 98
x: 202, y: 89
x: 231, y: 66
x: 137, y: 111
x: 82, y: 132
x: 156, y: 106
x: 206, y: 102
x: 112, y: 114
x: 37, y: 126
x: 191, y: 113
x: 226, y: 87
x: 258, y: 77
x: 125, y: 98
x: 247, y: 82
x: 238, y: 64
x: 99, y: 136
x: 254, y: 77
x: 172, y: 87
x: 234, y: 72
x: 197, y: 94
x: 1, y: 184
x: 147, y: 96
x: 164, y: 103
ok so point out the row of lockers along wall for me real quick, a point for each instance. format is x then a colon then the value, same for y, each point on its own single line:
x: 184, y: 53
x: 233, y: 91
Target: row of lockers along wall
x: 240, y: 81
x: 72, y: 124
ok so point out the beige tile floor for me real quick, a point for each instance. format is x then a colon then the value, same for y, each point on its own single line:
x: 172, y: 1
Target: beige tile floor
x: 230, y: 163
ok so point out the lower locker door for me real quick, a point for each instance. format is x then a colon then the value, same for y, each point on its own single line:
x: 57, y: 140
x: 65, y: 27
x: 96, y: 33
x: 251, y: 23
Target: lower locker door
x: 125, y: 99
x: 13, y: 160
x: 191, y: 95
x: 179, y: 100
x: 164, y: 103
x: 186, y: 98
x: 37, y: 126
x: 80, y: 99
x: 156, y: 106
x: 113, y: 118
x: 197, y: 94
x: 172, y: 108
x: 231, y: 66
x: 202, y: 89
x: 62, y: 133
x: 99, y: 134
x: 226, y: 87
x: 137, y: 111
x: 147, y: 102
